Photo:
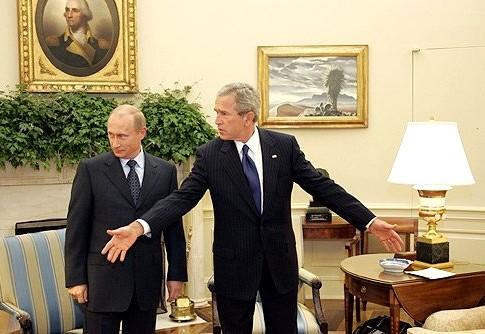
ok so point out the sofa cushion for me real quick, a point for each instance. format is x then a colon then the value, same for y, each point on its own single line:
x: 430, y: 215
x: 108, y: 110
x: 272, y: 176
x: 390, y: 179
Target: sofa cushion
x: 419, y: 330
x: 456, y: 320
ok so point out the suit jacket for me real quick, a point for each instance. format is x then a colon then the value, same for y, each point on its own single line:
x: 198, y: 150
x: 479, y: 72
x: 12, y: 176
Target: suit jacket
x: 66, y: 49
x: 101, y: 200
x: 243, y: 237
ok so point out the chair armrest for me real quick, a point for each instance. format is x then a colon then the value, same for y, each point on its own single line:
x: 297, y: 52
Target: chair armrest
x: 22, y: 317
x: 216, y: 324
x: 210, y: 284
x: 315, y: 283
x: 309, y: 278
x: 354, y: 243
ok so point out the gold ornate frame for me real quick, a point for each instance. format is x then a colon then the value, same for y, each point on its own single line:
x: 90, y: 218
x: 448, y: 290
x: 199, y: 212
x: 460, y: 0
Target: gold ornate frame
x: 292, y: 81
x: 40, y: 71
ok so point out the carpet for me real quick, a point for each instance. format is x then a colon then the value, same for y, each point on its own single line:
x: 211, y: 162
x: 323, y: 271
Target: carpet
x: 204, y: 313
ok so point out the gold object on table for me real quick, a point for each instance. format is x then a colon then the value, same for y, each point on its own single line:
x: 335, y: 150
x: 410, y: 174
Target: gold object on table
x: 182, y: 309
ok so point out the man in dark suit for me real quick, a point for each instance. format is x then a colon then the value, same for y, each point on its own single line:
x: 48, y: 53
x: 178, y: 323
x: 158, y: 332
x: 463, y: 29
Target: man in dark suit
x: 109, y: 191
x: 250, y: 173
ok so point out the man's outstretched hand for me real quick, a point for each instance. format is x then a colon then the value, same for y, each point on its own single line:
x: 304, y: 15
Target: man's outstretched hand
x: 121, y: 240
x: 386, y: 234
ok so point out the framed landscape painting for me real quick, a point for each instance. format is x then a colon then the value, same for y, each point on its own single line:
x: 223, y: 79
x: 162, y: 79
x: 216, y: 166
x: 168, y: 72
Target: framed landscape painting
x: 313, y: 86
x: 77, y: 45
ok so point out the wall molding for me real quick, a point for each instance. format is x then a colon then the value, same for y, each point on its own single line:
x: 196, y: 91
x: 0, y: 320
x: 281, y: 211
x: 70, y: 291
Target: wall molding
x: 26, y: 175
x: 462, y: 224
x: 453, y: 213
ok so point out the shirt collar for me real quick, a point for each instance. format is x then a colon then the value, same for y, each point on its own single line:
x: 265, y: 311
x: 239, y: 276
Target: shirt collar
x: 140, y: 160
x: 253, y: 142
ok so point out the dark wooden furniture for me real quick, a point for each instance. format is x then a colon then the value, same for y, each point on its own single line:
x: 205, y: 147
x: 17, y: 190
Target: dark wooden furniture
x: 338, y: 229
x: 40, y: 225
x: 406, y: 227
x: 419, y: 297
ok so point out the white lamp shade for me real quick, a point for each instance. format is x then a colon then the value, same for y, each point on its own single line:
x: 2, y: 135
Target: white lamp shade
x: 431, y: 156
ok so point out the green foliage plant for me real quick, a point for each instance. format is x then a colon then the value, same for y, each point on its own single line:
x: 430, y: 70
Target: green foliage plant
x: 37, y: 129
x: 176, y: 127
x: 66, y: 127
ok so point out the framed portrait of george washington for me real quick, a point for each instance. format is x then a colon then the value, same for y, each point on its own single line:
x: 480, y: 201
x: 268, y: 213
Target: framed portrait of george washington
x: 78, y: 44
x: 313, y: 86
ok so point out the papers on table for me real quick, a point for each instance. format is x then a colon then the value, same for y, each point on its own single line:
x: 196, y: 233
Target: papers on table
x: 431, y: 273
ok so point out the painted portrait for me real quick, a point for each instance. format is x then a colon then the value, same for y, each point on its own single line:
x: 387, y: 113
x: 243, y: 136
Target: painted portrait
x: 79, y: 37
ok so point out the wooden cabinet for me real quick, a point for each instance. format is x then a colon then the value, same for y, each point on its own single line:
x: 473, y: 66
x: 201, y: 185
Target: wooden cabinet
x: 338, y: 229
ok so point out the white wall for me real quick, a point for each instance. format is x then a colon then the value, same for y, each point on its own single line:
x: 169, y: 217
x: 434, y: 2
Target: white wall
x: 208, y: 44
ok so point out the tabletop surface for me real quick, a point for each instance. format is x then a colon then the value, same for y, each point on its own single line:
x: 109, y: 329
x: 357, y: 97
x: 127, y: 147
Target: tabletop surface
x: 367, y: 266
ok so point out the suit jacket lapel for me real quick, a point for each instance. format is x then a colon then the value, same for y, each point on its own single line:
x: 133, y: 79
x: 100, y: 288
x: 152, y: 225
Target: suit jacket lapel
x: 114, y: 172
x: 149, y: 178
x: 233, y: 167
x: 270, y: 155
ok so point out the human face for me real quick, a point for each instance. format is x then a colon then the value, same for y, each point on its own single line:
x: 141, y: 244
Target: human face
x: 124, y: 139
x: 230, y: 124
x: 74, y: 17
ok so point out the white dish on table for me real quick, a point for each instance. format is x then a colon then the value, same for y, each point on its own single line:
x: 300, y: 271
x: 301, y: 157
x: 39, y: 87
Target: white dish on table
x: 394, y: 265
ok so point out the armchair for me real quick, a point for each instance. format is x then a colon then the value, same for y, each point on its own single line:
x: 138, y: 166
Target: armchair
x: 312, y: 322
x: 470, y: 320
x: 32, y: 284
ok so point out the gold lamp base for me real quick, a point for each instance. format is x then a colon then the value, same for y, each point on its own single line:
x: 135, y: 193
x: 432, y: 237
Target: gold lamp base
x: 432, y: 249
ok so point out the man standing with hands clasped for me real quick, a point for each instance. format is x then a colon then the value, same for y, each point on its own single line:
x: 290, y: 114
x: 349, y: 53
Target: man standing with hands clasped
x: 250, y: 174
x: 109, y: 191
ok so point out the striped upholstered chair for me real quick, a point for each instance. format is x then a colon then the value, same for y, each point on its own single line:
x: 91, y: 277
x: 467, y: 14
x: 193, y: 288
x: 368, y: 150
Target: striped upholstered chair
x: 32, y: 283
x: 308, y: 321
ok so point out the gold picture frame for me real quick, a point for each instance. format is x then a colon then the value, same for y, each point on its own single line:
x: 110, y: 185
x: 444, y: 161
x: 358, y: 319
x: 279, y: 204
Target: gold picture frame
x: 313, y: 86
x: 104, y: 62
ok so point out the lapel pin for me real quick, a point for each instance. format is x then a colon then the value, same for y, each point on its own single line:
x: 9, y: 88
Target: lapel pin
x: 274, y: 156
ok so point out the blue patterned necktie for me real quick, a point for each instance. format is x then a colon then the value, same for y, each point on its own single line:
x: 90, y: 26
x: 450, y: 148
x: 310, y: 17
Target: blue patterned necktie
x: 133, y: 181
x: 251, y: 172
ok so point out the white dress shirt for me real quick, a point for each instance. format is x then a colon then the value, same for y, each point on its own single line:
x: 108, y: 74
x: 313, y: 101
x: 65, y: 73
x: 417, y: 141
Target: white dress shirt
x: 139, y: 167
x: 255, y: 154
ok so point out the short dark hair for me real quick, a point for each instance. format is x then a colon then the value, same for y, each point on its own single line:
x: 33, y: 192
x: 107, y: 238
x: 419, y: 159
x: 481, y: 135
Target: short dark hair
x: 246, y: 96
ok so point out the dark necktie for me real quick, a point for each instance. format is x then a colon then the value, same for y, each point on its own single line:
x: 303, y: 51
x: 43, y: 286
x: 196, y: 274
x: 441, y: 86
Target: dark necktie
x: 133, y: 181
x: 251, y: 172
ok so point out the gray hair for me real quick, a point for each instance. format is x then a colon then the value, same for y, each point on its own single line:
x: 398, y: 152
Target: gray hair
x: 246, y: 96
x: 139, y: 120
x: 85, y: 10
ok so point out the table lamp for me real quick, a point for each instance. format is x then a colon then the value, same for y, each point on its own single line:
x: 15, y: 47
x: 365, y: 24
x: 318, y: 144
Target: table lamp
x: 432, y: 159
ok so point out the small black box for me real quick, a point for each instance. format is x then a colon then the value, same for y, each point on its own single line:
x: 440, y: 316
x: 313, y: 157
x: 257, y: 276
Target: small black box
x: 318, y: 214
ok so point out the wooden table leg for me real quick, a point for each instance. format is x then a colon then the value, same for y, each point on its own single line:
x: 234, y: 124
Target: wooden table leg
x: 394, y: 312
x: 349, y: 308
x: 357, y: 309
